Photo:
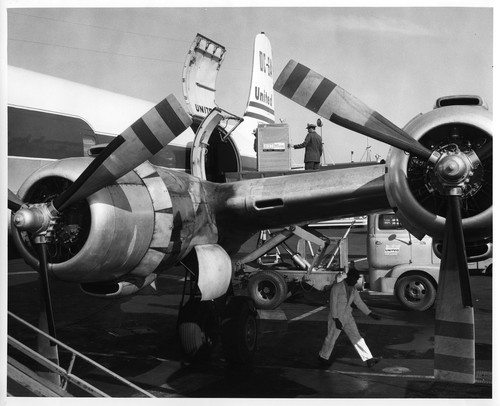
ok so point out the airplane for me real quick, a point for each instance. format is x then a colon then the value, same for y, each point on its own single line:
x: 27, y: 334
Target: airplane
x: 116, y: 220
x: 48, y: 122
x: 57, y: 124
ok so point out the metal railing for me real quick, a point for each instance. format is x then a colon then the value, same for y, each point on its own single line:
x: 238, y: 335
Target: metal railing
x: 67, y: 375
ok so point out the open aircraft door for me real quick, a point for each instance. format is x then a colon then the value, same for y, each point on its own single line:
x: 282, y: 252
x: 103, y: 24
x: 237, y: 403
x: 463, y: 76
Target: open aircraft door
x: 213, y: 152
x: 199, y: 75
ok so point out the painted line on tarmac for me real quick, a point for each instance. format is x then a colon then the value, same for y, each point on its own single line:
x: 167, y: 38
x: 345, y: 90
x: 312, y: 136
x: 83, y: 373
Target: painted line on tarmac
x: 22, y: 273
x: 381, y: 374
x: 126, y: 356
x: 308, y: 314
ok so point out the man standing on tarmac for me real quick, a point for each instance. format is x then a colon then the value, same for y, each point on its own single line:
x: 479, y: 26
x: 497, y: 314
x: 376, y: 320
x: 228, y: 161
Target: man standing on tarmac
x: 342, y: 295
x: 314, y: 148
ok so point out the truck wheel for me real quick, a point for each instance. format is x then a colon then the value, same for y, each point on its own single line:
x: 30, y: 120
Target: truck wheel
x: 415, y: 292
x: 239, y: 331
x: 267, y: 289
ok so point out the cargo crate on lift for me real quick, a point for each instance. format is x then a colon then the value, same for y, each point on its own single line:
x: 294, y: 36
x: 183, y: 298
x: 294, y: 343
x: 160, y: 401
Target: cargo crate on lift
x: 315, y: 264
x: 273, y: 147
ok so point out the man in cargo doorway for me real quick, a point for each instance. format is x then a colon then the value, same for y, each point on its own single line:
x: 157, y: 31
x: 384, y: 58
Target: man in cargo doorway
x: 314, y: 148
x: 342, y: 295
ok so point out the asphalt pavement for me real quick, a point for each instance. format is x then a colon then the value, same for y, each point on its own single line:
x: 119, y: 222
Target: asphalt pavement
x: 136, y: 338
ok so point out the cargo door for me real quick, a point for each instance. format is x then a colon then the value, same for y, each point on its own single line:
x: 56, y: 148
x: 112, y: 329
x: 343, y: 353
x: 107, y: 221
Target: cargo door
x: 213, y: 152
x: 199, y: 75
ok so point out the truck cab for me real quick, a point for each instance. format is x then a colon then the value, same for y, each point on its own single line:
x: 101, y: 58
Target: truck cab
x: 401, y: 264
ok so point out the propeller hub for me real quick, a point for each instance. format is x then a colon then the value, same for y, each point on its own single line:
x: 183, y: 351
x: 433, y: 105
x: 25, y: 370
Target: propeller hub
x: 452, y: 169
x: 455, y: 171
x: 28, y: 219
x: 36, y: 218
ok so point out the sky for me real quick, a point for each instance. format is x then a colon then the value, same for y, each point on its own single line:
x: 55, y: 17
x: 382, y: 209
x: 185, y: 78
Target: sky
x: 397, y: 60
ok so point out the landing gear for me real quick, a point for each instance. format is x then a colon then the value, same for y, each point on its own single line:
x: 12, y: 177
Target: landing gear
x: 229, y: 319
x: 197, y: 328
x: 239, y: 330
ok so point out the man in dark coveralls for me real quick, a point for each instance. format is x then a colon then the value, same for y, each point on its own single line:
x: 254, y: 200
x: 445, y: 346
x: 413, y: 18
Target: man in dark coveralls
x: 314, y: 148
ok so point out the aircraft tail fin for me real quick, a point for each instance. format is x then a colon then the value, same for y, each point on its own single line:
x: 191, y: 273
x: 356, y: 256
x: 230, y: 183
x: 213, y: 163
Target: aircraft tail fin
x: 261, y: 98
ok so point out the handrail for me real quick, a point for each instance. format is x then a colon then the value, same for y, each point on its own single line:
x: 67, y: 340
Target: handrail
x: 51, y: 366
x: 66, y: 374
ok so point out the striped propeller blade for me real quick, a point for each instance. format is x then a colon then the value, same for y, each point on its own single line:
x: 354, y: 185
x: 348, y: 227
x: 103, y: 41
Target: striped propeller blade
x: 325, y: 98
x: 454, y: 339
x: 14, y: 202
x: 138, y: 143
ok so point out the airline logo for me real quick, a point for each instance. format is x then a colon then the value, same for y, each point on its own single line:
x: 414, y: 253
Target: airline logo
x: 203, y: 110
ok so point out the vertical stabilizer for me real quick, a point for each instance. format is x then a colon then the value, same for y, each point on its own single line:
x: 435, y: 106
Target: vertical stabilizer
x: 261, y: 98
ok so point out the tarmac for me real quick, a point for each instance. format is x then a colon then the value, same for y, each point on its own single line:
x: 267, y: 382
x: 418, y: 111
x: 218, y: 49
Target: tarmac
x: 135, y: 337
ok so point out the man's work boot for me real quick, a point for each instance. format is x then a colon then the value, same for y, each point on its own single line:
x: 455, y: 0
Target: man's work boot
x: 323, y: 363
x: 372, y: 361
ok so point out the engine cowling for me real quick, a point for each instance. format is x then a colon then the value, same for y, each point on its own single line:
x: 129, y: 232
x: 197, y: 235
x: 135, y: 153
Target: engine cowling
x: 147, y: 220
x: 412, y: 189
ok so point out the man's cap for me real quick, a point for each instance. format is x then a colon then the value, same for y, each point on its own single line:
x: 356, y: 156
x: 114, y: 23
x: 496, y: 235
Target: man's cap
x: 310, y: 126
x: 354, y: 273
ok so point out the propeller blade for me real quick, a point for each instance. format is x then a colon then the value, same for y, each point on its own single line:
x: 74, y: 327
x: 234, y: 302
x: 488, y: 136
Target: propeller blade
x: 138, y: 143
x: 45, y: 290
x: 454, y: 352
x: 14, y: 203
x: 323, y: 97
x: 46, y: 347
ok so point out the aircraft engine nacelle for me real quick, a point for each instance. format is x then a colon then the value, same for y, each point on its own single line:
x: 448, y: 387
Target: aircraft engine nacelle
x: 411, y: 185
x: 114, y: 241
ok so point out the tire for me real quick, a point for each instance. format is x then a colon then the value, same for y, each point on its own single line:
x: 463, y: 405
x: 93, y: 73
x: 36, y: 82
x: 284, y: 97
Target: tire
x: 416, y: 292
x: 195, y: 328
x: 239, y: 331
x: 267, y: 289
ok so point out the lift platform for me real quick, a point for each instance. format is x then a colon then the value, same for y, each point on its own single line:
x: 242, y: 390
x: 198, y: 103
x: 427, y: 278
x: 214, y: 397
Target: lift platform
x: 275, y: 271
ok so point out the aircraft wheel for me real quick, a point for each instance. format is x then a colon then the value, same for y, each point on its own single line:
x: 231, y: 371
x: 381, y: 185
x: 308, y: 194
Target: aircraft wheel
x: 196, y: 328
x: 239, y: 331
x: 415, y: 292
x: 267, y: 289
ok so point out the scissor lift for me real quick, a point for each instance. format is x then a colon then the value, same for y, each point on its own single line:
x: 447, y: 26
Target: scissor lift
x: 315, y: 264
